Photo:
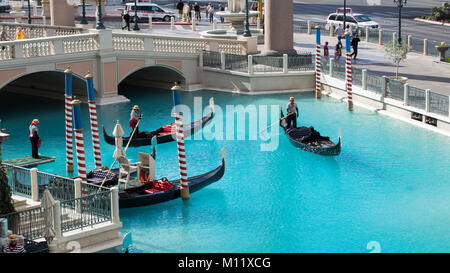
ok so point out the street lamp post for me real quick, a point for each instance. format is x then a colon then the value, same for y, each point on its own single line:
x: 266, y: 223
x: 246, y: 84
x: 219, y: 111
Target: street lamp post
x: 345, y: 12
x: 400, y: 4
x: 136, y: 26
x: 29, y: 12
x: 247, y: 32
x: 99, y: 16
x: 83, y: 12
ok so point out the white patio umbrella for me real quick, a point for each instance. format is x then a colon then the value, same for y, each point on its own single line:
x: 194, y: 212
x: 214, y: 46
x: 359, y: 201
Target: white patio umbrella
x: 47, y: 204
x: 118, y: 133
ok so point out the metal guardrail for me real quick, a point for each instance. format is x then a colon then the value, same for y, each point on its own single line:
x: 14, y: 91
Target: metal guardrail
x: 267, y: 64
x: 61, y: 188
x: 395, y: 90
x: 416, y: 97
x: 19, y: 179
x: 357, y: 76
x: 236, y: 62
x: 374, y: 83
x: 301, y: 62
x: 439, y: 104
x: 338, y: 70
x: 29, y: 223
x: 86, y: 211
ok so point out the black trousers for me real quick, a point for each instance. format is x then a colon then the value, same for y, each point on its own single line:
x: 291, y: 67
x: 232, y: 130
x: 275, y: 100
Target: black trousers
x: 127, y: 26
x: 355, y: 52
x: 292, y: 118
x: 34, y: 147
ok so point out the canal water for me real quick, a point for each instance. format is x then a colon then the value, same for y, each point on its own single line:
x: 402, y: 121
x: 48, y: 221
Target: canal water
x: 389, y: 188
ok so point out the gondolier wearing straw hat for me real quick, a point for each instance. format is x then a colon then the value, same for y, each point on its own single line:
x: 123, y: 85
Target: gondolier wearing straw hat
x: 292, y: 113
x: 34, y: 138
x: 13, y: 245
x: 134, y: 118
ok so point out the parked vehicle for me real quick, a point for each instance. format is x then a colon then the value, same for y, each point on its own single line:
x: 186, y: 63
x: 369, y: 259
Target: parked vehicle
x: 356, y: 20
x: 4, y: 5
x: 146, y: 9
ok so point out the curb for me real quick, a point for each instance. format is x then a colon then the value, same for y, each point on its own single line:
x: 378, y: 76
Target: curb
x: 432, y: 22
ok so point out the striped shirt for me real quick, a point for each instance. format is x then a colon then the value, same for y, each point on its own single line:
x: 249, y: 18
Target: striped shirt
x: 134, y: 115
x: 17, y: 249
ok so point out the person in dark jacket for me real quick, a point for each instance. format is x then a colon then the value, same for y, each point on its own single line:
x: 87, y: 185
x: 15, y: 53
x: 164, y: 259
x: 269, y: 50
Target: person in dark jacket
x: 313, y: 136
x: 198, y: 17
x: 354, y: 43
x: 34, y: 138
x: 180, y: 7
x: 126, y: 18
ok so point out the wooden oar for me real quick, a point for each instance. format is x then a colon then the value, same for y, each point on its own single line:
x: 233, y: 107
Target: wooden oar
x: 129, y: 140
x: 276, y: 122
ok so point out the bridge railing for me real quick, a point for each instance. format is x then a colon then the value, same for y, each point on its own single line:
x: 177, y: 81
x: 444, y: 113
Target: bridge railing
x: 167, y: 44
x: 39, y: 31
x: 56, y: 45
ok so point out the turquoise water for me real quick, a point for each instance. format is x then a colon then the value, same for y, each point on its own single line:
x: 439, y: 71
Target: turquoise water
x: 390, y: 184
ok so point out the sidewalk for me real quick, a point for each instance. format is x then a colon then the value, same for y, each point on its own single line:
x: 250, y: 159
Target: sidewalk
x: 420, y: 70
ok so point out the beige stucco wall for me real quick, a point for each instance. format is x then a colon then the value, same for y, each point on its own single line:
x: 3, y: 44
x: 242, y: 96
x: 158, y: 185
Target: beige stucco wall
x: 127, y: 66
x: 8, y: 75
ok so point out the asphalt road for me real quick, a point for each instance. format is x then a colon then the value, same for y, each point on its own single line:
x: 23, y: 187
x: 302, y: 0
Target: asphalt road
x: 384, y: 12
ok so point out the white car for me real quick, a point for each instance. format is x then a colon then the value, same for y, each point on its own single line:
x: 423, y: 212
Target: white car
x: 146, y: 9
x: 356, y: 20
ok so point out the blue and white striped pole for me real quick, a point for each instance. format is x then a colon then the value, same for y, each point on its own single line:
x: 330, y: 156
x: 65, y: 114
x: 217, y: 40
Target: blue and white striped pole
x: 68, y: 119
x: 318, y: 65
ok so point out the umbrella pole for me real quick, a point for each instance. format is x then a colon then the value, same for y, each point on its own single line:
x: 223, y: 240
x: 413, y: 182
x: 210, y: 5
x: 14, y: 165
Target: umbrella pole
x: 129, y: 140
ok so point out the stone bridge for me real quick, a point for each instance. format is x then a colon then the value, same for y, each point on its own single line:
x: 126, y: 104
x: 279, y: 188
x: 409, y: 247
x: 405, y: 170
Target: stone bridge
x: 35, y: 65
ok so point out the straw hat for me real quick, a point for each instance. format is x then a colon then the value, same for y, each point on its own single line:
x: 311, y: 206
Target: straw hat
x: 135, y: 107
x: 35, y: 121
x: 291, y: 98
x: 12, y: 237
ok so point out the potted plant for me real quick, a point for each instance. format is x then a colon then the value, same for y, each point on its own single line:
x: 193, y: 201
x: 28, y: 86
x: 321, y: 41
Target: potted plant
x: 397, y: 53
x: 442, y: 48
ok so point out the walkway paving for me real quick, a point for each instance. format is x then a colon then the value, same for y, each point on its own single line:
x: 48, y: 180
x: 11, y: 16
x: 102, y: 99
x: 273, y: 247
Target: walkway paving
x: 421, y: 71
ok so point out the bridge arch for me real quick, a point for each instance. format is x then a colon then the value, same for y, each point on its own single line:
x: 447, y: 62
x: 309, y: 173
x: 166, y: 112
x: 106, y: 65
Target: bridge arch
x: 45, y: 83
x: 158, y: 76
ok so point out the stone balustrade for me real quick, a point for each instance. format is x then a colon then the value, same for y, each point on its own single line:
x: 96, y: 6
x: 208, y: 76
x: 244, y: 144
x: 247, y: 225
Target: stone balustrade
x: 38, y: 31
x: 40, y: 47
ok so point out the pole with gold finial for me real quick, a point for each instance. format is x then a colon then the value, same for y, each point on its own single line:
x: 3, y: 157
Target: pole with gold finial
x: 184, y: 187
x: 68, y: 119
x: 93, y: 118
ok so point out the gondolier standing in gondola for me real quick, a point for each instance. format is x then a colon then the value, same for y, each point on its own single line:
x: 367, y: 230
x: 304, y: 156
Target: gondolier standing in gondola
x: 292, y: 113
x: 34, y: 138
x: 134, y: 118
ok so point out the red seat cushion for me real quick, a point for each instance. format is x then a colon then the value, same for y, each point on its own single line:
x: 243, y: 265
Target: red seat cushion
x: 161, y: 186
x: 168, y: 129
x: 152, y: 190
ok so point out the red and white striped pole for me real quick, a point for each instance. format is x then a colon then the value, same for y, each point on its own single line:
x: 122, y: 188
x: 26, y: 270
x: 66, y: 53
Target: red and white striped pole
x: 79, y: 141
x: 182, y: 156
x: 93, y: 118
x: 68, y: 119
x: 348, y: 72
x: 318, y: 65
x: 184, y: 187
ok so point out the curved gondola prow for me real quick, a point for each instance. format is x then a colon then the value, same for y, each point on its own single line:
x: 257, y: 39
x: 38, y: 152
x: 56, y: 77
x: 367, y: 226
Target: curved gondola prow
x: 108, y: 139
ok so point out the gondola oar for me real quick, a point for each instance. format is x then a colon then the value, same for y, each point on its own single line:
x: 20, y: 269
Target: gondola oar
x: 131, y: 137
x: 271, y: 125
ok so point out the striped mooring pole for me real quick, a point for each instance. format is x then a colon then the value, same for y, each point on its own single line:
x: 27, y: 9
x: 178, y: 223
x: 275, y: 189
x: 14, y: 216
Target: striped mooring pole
x: 348, y: 72
x: 184, y: 187
x: 79, y: 142
x: 93, y: 118
x: 318, y: 65
x: 68, y: 118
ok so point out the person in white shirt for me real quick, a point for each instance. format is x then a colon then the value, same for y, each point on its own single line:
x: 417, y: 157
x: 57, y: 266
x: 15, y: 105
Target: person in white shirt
x: 292, y: 113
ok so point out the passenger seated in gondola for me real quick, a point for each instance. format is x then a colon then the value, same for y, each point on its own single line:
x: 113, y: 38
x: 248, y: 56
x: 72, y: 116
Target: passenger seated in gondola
x: 313, y: 136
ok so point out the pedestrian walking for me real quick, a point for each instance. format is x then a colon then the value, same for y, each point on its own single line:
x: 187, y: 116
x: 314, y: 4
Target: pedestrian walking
x: 354, y: 43
x: 326, y: 52
x: 126, y: 19
x: 339, y: 32
x: 221, y: 8
x: 207, y: 11
x: 180, y: 7
x: 211, y: 13
x: 254, y: 7
x: 337, y: 52
x: 198, y: 17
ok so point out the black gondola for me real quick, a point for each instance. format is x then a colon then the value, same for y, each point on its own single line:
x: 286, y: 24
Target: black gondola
x: 156, y: 192
x: 165, y: 133
x: 320, y: 145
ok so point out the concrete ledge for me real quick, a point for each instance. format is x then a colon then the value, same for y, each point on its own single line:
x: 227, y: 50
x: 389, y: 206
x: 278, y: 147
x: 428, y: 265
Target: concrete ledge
x: 111, y: 100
